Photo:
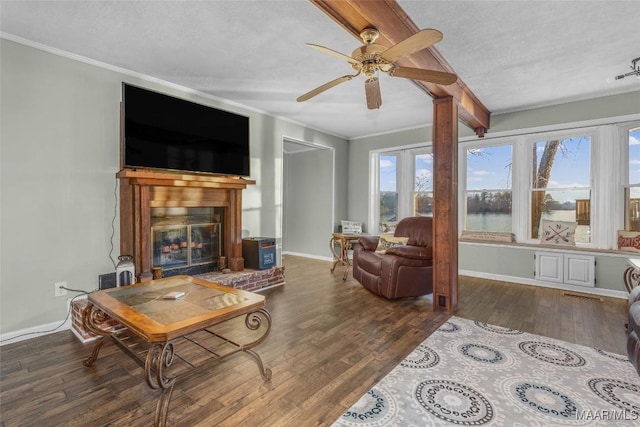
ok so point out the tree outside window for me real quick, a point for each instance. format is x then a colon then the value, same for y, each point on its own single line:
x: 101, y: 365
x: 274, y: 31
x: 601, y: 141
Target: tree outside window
x: 423, y: 191
x: 561, y: 189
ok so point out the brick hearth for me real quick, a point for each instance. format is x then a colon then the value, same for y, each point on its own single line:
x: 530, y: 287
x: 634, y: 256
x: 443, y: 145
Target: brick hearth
x: 247, y: 280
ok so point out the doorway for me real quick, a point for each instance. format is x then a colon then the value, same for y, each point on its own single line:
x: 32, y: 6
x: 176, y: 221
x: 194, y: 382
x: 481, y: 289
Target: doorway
x: 308, y: 198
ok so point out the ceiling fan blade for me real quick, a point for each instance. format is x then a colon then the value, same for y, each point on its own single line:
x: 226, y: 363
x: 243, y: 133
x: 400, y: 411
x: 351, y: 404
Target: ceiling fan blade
x: 333, y: 52
x: 437, y: 77
x: 372, y: 91
x: 420, y: 40
x: 324, y: 87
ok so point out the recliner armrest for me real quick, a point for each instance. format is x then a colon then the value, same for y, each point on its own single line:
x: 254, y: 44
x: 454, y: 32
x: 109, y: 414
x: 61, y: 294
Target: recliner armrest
x: 634, y: 296
x: 633, y: 337
x: 368, y: 243
x: 412, y: 252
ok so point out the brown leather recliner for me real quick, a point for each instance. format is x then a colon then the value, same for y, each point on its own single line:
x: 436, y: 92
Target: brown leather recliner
x: 403, y: 271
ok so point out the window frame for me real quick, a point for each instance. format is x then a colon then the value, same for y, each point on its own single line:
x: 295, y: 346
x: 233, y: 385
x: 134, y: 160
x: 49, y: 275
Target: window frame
x: 405, y: 180
x: 413, y: 153
x: 608, y: 174
x: 379, y: 192
x: 624, y: 131
x: 463, y: 175
x: 530, y: 141
x: 609, y: 156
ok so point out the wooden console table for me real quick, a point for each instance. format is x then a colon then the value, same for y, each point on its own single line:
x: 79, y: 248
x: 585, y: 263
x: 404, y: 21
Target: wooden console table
x: 209, y: 322
x: 340, y: 244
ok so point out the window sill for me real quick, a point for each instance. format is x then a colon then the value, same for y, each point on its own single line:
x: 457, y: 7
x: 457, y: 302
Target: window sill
x: 558, y: 248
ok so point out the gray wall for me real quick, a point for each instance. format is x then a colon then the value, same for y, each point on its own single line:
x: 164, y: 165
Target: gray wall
x: 496, y: 260
x: 514, y: 263
x: 308, y: 183
x: 59, y: 155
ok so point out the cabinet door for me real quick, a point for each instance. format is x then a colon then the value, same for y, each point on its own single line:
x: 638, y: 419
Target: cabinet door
x: 549, y: 266
x: 579, y: 270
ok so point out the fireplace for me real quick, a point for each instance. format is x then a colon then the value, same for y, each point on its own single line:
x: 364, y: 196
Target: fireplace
x: 185, y: 239
x: 180, y: 222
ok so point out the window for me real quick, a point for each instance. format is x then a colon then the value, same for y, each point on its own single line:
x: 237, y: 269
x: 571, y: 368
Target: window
x: 388, y: 185
x: 561, y: 184
x: 488, y: 189
x: 511, y: 183
x: 423, y: 188
x: 404, y: 186
x: 632, y: 189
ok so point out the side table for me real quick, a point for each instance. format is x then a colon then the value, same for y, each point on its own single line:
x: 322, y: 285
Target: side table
x: 340, y: 244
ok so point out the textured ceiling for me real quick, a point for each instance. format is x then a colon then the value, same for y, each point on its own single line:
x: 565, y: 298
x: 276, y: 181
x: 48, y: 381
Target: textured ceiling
x: 513, y: 55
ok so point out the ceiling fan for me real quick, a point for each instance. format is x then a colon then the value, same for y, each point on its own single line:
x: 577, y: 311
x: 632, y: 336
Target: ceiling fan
x: 371, y: 58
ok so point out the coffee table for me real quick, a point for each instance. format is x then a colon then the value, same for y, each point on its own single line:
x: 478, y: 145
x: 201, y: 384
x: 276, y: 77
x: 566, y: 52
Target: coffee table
x: 209, y: 322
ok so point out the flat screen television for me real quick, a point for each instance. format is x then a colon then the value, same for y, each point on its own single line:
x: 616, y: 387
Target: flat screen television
x: 164, y: 132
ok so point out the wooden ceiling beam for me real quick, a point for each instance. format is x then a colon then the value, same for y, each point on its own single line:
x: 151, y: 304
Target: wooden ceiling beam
x: 394, y: 26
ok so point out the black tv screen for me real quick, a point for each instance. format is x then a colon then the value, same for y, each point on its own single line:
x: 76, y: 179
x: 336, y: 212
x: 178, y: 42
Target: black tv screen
x: 164, y: 132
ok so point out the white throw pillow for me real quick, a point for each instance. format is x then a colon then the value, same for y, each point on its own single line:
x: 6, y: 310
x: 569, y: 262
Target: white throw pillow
x: 351, y: 227
x: 557, y: 233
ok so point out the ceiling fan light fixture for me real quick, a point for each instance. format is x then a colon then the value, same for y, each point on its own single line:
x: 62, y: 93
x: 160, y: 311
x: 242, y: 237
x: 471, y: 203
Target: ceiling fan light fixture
x: 369, y: 70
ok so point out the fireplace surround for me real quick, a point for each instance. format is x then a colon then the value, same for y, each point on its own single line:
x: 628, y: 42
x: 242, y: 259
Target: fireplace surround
x: 180, y: 209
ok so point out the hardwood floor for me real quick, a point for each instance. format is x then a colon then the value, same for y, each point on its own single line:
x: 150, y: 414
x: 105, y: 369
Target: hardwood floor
x: 331, y: 341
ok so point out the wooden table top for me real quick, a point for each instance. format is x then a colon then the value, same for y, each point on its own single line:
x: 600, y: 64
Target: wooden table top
x: 144, y: 311
x: 350, y: 236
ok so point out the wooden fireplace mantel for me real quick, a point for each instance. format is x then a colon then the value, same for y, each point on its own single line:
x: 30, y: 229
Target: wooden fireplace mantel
x: 143, y: 189
x: 177, y: 179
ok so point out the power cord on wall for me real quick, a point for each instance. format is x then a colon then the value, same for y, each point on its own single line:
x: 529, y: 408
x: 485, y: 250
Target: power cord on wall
x: 81, y: 292
x: 113, y: 221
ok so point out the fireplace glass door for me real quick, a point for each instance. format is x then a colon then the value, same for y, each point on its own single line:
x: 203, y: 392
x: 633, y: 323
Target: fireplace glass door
x: 184, y: 237
x: 170, y: 246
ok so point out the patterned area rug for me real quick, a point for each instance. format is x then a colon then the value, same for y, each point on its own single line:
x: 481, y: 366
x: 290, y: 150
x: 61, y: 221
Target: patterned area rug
x: 472, y: 373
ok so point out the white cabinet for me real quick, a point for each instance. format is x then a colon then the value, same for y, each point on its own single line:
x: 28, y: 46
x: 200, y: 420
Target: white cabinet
x: 549, y: 266
x: 580, y: 270
x: 567, y: 268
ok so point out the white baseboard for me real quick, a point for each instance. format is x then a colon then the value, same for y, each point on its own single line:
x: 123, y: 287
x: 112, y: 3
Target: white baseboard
x: 34, y: 332
x: 41, y: 330
x: 322, y: 258
x: 523, y: 281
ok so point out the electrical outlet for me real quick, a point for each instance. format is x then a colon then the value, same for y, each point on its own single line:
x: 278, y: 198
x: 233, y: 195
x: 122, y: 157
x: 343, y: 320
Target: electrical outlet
x: 58, y: 291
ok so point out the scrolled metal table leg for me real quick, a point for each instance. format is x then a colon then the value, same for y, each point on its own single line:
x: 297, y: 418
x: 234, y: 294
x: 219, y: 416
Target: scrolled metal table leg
x: 332, y: 245
x: 91, y: 318
x: 255, y: 320
x: 347, y: 260
x: 631, y: 278
x: 266, y: 373
x: 159, y: 358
